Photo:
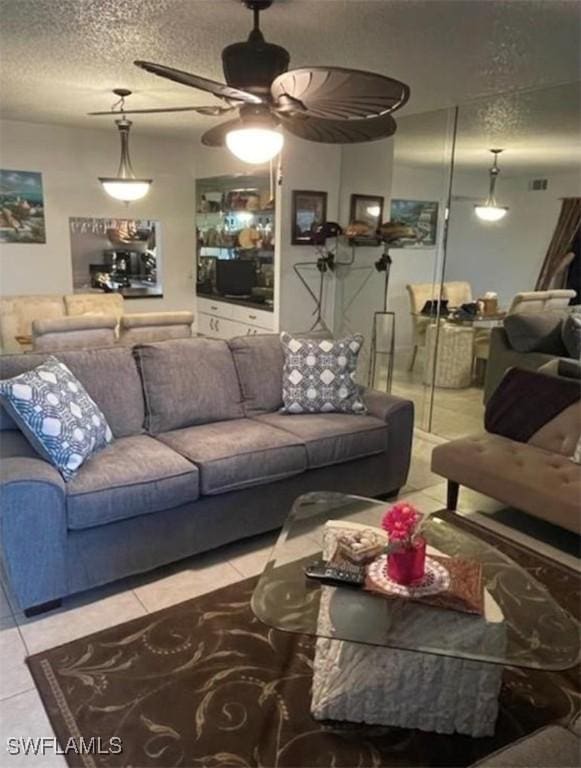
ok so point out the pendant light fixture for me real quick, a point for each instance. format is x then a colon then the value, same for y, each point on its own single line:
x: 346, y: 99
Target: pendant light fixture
x: 125, y: 186
x: 490, y: 211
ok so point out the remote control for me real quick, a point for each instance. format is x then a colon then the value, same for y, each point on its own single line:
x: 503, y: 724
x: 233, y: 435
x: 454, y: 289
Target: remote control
x: 347, y: 576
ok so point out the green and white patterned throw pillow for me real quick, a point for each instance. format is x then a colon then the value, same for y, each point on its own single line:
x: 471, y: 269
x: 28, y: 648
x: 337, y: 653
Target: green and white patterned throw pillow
x: 319, y: 375
x: 56, y: 414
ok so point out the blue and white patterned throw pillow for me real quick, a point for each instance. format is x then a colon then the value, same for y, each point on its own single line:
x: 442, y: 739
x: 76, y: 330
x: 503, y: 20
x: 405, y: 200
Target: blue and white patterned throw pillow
x: 56, y: 414
x: 319, y: 375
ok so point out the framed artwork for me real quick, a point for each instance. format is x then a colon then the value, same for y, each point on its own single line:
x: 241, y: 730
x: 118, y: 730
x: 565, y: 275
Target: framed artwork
x: 421, y: 216
x: 368, y: 209
x: 21, y: 207
x: 309, y: 210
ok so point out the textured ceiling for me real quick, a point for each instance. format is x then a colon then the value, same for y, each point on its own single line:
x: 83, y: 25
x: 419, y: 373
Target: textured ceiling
x: 539, y: 130
x: 61, y: 58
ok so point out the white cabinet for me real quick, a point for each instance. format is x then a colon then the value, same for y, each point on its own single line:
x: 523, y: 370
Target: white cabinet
x: 223, y: 320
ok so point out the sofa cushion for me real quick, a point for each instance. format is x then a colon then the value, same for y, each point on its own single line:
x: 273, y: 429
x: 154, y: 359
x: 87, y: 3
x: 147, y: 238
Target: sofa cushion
x: 331, y: 438
x: 55, y: 412
x: 134, y: 476
x: 237, y: 454
x: 259, y: 360
x: 188, y: 382
x: 571, y: 335
x: 109, y: 375
x: 536, y: 332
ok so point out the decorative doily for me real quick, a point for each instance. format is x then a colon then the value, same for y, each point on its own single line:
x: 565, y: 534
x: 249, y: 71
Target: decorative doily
x: 436, y: 579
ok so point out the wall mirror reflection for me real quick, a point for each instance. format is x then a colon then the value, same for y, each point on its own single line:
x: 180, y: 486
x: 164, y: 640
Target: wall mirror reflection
x: 496, y: 265
x: 507, y: 247
x: 116, y: 256
x: 235, y: 223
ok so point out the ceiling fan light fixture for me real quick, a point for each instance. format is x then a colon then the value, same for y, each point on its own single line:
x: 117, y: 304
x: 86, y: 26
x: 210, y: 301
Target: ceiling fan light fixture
x: 490, y: 211
x: 125, y: 186
x: 254, y: 144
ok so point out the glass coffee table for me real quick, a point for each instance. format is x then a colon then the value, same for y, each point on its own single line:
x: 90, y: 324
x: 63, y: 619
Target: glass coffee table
x: 397, y: 662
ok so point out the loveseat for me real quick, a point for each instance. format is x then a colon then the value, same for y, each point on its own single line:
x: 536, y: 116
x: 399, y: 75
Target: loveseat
x: 201, y: 457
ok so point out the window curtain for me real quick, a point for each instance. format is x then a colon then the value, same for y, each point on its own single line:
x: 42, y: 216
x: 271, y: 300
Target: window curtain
x: 568, y: 226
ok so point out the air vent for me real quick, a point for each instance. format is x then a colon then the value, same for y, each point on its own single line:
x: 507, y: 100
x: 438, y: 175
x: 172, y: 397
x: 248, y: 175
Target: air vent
x: 538, y: 185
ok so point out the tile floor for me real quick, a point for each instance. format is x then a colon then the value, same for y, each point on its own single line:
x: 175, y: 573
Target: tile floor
x: 456, y: 412
x: 21, y: 711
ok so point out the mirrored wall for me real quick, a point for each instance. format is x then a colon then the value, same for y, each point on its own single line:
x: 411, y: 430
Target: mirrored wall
x: 476, y: 226
x: 489, y: 263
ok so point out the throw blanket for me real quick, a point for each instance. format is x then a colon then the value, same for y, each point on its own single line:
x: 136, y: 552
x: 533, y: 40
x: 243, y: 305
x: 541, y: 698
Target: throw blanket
x: 524, y: 401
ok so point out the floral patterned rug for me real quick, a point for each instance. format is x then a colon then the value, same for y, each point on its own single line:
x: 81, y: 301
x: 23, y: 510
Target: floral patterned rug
x: 204, y: 683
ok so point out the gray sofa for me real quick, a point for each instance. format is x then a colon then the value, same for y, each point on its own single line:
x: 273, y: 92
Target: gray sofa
x: 201, y: 458
x: 529, y: 341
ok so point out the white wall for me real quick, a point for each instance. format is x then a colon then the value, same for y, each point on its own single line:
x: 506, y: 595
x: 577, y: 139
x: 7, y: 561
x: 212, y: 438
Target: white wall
x: 70, y: 161
x: 305, y: 165
x: 415, y: 265
x: 359, y: 289
x: 505, y: 256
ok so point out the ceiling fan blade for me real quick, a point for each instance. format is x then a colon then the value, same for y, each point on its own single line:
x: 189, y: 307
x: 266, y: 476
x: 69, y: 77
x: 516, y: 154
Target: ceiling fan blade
x: 213, y: 111
x: 216, y: 136
x: 334, y: 93
x: 339, y: 131
x: 194, y: 81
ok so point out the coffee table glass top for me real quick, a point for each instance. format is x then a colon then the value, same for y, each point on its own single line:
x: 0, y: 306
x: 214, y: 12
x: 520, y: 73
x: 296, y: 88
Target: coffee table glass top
x: 524, y: 625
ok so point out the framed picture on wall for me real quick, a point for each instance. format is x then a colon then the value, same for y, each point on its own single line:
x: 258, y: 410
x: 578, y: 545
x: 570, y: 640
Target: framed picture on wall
x: 367, y: 209
x: 421, y: 216
x: 21, y: 207
x: 309, y: 210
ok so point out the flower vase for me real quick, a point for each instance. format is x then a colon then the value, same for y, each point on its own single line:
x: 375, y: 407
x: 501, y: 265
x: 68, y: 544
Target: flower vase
x: 407, y: 565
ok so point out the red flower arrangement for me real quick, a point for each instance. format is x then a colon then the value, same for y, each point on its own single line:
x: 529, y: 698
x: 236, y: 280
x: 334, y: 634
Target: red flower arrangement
x: 402, y: 523
x: 406, y: 551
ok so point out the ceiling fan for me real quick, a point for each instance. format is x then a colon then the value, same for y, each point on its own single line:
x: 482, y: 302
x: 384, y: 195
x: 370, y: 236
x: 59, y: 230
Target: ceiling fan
x: 324, y: 104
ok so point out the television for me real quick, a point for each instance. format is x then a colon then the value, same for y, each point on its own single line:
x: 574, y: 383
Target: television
x: 235, y: 278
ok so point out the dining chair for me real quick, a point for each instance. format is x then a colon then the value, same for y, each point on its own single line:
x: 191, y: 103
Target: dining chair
x: 457, y: 292
x: 418, y: 294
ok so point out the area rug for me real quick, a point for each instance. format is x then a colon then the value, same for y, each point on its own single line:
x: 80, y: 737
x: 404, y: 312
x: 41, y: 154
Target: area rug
x: 204, y: 683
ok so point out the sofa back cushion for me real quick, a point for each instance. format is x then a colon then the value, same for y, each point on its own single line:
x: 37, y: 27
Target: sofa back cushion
x: 571, y: 335
x: 188, y: 382
x: 259, y: 361
x: 109, y: 375
x: 536, y: 332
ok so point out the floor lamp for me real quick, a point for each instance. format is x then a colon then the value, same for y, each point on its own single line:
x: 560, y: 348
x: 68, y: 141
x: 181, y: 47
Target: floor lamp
x: 389, y: 232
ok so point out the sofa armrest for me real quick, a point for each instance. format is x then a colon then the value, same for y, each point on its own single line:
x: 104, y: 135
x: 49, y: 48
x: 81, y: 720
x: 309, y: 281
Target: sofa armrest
x: 33, y: 529
x: 398, y: 414
x: 384, y: 406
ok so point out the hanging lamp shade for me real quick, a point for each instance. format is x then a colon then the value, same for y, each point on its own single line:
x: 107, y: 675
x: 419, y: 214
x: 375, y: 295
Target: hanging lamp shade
x: 125, y: 186
x: 490, y: 210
